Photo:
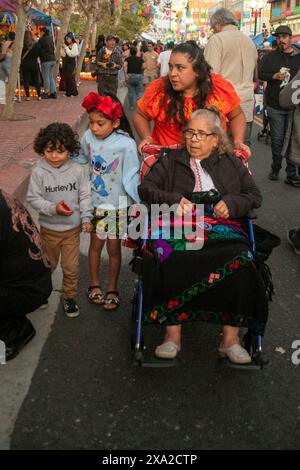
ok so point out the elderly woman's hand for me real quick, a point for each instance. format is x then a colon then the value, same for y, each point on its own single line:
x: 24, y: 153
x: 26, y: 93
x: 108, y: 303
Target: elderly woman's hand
x: 221, y: 210
x: 185, y: 207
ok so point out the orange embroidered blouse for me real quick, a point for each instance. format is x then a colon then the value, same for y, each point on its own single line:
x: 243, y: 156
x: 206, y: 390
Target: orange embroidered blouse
x: 165, y: 132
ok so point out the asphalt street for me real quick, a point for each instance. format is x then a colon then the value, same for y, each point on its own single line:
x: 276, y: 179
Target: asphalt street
x: 75, y: 386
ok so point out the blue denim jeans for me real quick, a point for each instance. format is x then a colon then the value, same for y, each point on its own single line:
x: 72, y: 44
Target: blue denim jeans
x: 5, y: 68
x: 135, y: 88
x: 47, y: 73
x: 278, y: 125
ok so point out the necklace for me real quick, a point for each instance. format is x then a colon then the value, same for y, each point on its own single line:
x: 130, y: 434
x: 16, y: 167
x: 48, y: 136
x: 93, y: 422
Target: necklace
x: 197, y: 175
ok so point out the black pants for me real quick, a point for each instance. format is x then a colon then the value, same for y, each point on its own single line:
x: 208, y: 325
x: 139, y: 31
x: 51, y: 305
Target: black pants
x: 68, y: 74
x: 31, y: 76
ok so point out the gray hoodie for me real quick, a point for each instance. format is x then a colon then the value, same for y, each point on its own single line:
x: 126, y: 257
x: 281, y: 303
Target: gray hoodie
x: 48, y: 186
x: 289, y: 98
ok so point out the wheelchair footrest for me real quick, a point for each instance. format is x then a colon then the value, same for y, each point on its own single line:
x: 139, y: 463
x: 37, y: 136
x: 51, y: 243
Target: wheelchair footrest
x: 146, y: 359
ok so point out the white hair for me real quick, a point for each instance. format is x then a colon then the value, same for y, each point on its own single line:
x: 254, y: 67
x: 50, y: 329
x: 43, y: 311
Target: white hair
x: 212, y: 116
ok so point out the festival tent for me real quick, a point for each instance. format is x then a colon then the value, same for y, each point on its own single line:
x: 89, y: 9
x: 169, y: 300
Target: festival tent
x: 7, y: 17
x: 8, y: 6
x: 40, y: 18
x: 148, y: 37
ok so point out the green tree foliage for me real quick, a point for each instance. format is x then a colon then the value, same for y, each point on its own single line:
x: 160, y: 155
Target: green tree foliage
x: 77, y: 23
x: 128, y: 27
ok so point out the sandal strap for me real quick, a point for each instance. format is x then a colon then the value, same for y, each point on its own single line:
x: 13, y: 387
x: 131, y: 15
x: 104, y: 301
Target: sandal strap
x: 112, y: 292
x: 113, y: 300
x: 96, y: 295
x: 93, y: 287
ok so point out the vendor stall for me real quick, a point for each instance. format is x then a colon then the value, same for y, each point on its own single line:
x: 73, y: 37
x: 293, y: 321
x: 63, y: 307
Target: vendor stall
x: 36, y: 20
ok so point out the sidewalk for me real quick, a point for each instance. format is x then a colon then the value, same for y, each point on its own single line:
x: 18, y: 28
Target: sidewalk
x: 16, y: 137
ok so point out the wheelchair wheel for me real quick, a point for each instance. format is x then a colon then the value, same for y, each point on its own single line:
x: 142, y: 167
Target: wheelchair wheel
x: 250, y: 344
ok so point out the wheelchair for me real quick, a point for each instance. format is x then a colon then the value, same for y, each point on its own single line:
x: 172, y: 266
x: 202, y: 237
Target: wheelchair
x: 252, y: 343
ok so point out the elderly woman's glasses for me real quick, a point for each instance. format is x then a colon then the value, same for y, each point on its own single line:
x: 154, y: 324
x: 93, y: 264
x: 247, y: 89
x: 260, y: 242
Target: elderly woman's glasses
x: 200, y: 135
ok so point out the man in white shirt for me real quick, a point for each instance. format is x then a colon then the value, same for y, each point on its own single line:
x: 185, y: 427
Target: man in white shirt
x: 233, y: 55
x: 163, y: 59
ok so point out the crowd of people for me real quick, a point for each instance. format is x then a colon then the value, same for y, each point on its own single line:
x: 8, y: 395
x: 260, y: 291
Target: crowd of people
x: 199, y: 106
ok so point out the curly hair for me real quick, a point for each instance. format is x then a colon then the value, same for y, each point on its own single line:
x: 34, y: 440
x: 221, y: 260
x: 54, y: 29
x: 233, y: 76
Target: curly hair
x: 175, y: 109
x: 57, y: 136
x: 212, y: 115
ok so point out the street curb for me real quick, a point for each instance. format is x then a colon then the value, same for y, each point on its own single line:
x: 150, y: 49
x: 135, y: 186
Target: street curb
x: 14, y: 178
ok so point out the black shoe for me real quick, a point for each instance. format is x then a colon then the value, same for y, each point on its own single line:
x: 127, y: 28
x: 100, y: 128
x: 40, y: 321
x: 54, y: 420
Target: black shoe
x: 293, y: 180
x: 45, y: 96
x: 24, y: 335
x: 274, y: 175
x: 71, y: 308
x: 53, y: 95
x: 293, y: 239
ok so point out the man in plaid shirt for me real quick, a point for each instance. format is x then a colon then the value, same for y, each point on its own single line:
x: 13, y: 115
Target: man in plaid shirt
x: 109, y: 62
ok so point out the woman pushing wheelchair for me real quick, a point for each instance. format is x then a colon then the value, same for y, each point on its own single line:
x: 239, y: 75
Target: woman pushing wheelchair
x: 219, y: 283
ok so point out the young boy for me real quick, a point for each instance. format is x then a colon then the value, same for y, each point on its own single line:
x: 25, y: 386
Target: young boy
x: 60, y: 192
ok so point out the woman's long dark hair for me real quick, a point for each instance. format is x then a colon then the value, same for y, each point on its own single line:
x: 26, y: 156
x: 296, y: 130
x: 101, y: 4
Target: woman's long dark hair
x: 69, y: 35
x: 175, y: 109
x: 28, y: 40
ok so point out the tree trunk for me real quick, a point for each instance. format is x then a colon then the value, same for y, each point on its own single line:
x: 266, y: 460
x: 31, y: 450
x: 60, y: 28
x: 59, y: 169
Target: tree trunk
x: 22, y: 15
x: 63, y: 31
x: 88, y: 27
x: 42, y: 6
x: 94, y: 36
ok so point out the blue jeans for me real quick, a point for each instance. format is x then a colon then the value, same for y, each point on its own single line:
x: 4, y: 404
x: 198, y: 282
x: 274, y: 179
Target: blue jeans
x: 47, y: 73
x: 278, y: 125
x: 5, y: 68
x: 135, y: 88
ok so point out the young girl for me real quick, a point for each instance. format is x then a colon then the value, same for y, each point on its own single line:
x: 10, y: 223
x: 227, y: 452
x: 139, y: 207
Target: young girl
x: 110, y: 151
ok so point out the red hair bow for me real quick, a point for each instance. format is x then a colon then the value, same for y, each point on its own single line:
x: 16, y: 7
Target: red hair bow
x: 103, y: 104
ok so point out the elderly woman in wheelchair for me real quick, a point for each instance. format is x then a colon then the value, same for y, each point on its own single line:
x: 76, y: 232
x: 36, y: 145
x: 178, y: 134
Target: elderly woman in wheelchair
x: 220, y: 282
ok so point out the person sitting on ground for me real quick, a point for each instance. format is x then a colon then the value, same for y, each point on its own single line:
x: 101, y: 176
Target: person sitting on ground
x: 218, y: 283
x: 60, y: 192
x: 25, y: 276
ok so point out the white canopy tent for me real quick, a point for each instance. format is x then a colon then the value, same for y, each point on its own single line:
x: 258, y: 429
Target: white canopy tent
x: 148, y: 37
